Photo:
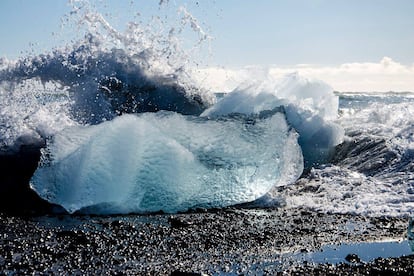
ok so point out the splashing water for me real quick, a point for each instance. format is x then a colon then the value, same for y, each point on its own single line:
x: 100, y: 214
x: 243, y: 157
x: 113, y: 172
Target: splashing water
x: 102, y: 75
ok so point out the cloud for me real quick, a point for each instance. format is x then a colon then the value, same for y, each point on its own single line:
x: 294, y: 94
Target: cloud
x: 386, y: 75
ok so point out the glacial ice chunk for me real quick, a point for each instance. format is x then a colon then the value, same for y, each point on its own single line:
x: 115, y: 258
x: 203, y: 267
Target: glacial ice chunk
x: 166, y: 161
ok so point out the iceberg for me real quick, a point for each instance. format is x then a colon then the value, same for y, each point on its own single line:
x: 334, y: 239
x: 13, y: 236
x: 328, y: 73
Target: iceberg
x: 165, y: 161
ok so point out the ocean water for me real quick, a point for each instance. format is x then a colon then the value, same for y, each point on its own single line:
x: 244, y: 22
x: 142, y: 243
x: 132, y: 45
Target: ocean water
x: 128, y: 129
x: 371, y: 173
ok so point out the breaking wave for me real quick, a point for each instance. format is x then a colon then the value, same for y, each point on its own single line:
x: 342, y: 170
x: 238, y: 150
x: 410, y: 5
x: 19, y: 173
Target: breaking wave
x: 371, y: 173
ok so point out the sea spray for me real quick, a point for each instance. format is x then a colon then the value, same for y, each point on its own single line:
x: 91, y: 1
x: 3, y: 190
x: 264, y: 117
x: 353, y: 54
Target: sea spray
x: 103, y: 74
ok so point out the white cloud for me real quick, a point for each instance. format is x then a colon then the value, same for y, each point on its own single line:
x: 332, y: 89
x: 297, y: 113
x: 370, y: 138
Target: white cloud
x: 386, y: 75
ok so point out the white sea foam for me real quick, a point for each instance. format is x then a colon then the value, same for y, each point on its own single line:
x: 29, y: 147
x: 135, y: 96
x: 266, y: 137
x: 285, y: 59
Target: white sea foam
x: 373, y: 174
x: 310, y: 107
x: 389, y: 117
x: 31, y: 111
x: 337, y: 189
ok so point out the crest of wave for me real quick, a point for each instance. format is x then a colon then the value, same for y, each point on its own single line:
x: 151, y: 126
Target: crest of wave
x: 390, y: 120
x: 310, y: 107
x: 99, y: 76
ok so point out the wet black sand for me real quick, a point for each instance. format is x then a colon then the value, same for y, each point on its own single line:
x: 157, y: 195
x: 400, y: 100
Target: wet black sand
x: 229, y: 241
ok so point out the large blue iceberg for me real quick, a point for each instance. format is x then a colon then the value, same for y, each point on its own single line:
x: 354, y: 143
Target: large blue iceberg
x: 168, y: 162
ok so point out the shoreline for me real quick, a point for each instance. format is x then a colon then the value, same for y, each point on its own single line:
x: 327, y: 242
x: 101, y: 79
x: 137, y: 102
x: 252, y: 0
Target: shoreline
x: 229, y: 241
x: 38, y: 237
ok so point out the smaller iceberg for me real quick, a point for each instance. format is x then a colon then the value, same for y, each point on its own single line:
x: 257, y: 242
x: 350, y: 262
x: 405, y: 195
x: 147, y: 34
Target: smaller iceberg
x: 168, y: 162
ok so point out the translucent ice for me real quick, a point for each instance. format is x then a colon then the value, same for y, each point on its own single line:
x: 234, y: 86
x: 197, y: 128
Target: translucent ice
x: 169, y: 162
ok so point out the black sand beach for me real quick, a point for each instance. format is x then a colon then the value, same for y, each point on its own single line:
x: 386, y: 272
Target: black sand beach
x: 230, y: 241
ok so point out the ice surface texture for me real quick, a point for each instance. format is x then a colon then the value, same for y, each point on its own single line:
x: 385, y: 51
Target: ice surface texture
x: 167, y: 161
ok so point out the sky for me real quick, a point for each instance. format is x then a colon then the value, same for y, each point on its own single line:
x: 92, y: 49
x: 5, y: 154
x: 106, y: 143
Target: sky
x: 364, y: 45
